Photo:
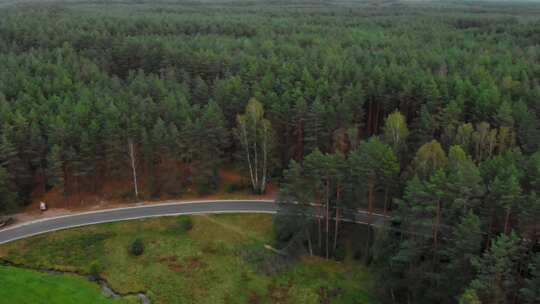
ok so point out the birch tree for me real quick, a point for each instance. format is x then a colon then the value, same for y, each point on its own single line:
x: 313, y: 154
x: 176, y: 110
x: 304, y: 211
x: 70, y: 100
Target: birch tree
x: 255, y: 135
x: 396, y: 131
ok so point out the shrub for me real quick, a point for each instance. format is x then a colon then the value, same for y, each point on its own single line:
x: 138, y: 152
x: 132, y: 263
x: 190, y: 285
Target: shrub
x: 233, y: 187
x: 172, y: 186
x: 137, y: 247
x: 340, y: 253
x: 186, y: 224
x: 215, y: 247
x: 95, y: 269
x: 206, y: 183
x: 266, y: 261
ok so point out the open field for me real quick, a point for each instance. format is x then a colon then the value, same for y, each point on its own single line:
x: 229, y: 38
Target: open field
x: 221, y: 259
x: 26, y: 286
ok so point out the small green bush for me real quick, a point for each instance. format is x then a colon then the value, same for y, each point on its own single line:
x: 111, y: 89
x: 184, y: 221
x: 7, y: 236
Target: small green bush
x: 186, y: 224
x: 340, y: 253
x: 137, y: 247
x: 95, y: 268
x: 206, y: 183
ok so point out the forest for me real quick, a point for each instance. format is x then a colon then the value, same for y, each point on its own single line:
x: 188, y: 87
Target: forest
x: 428, y: 112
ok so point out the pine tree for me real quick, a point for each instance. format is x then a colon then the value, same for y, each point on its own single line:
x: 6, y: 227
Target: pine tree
x: 372, y: 166
x: 533, y: 171
x: 528, y: 127
x: 299, y: 126
x: 504, y: 116
x: 495, y: 281
x: 531, y: 289
x: 201, y: 93
x: 464, y: 245
x: 506, y: 191
x: 465, y: 185
x: 55, y: 167
x: 8, y: 198
x: 160, y: 139
x: 529, y: 214
x: 215, y: 135
x: 315, y: 134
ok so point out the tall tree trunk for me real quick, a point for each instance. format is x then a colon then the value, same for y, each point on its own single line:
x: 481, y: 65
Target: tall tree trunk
x: 370, y: 201
x: 300, y: 141
x: 436, y: 226
x: 338, y: 194
x: 43, y: 177
x: 507, y: 221
x: 385, y: 200
x: 490, y: 226
x: 319, y: 223
x: 265, y: 157
x: 310, y: 247
x: 370, y: 213
x: 336, y: 229
x: 246, y: 144
x: 133, y: 168
x: 256, y: 160
x: 327, y: 216
x: 370, y: 120
x: 65, y: 184
x: 376, y: 120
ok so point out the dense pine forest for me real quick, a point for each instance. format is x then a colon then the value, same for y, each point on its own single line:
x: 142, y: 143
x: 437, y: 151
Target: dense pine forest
x: 428, y: 112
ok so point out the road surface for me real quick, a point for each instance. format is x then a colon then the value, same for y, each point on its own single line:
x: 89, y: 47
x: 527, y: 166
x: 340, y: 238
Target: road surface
x: 29, y: 229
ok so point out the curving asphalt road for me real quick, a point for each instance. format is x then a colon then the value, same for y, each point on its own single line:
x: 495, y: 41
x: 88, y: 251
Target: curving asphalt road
x: 169, y: 209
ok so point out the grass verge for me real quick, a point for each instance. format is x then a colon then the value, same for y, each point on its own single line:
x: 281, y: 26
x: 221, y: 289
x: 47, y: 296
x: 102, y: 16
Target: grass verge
x: 199, y: 262
x: 25, y: 286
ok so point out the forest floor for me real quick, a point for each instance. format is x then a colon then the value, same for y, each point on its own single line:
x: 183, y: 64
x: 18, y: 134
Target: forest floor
x: 58, y: 206
x: 220, y: 259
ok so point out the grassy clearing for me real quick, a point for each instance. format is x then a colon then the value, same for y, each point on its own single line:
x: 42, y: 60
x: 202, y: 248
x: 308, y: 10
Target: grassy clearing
x: 26, y: 286
x: 206, y: 264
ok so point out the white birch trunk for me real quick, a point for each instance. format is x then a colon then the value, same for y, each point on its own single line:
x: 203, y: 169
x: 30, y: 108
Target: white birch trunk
x: 246, y: 144
x: 265, y: 153
x: 256, y: 156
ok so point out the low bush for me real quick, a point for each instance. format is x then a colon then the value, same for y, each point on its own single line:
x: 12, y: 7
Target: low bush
x: 186, y: 224
x: 137, y: 247
x: 206, y: 183
x: 95, y: 268
x: 233, y: 187
x: 340, y: 253
x: 266, y: 261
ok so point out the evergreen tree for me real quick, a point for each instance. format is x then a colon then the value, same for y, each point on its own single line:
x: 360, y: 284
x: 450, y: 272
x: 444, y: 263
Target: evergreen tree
x: 55, y: 167
x: 315, y: 130
x: 531, y: 290
x: 463, y: 246
x: 465, y: 185
x: 504, y: 116
x: 496, y: 277
x: 8, y: 198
